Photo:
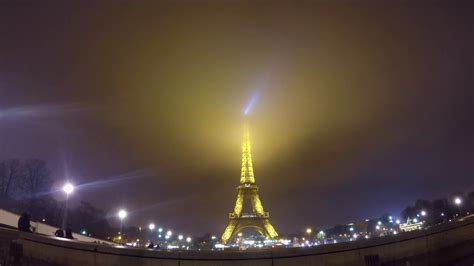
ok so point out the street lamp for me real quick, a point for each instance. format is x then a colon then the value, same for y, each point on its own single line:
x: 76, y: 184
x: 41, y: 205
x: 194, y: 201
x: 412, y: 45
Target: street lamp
x: 180, y: 237
x: 458, y: 202
x: 188, y: 239
x: 122, y: 214
x: 423, y: 213
x: 309, y: 230
x: 151, y: 226
x: 68, y: 188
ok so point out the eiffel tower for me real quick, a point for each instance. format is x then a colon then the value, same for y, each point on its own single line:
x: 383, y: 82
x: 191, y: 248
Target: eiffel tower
x: 247, y: 193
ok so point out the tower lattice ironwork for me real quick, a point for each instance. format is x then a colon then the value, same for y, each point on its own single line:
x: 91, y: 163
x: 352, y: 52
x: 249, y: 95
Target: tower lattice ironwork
x: 247, y: 192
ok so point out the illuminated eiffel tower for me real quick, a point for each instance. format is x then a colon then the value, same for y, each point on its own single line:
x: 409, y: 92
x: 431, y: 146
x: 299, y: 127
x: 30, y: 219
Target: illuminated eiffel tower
x: 247, y: 193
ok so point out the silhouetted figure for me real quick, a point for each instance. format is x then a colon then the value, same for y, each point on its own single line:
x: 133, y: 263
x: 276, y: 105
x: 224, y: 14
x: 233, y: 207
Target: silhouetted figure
x: 59, y: 233
x: 151, y: 245
x: 24, y: 223
x: 69, y: 233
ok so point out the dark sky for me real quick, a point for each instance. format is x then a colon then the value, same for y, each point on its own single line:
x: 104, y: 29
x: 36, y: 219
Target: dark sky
x: 363, y: 107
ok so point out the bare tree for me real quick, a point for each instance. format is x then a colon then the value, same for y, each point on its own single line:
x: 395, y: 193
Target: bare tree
x: 36, y: 180
x: 10, y: 175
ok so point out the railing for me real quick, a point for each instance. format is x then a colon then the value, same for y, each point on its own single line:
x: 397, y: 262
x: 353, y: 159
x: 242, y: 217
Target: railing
x: 248, y: 215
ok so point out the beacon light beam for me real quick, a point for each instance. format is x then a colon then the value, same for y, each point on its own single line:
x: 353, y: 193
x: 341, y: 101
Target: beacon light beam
x: 251, y: 103
x: 39, y: 110
x: 116, y: 180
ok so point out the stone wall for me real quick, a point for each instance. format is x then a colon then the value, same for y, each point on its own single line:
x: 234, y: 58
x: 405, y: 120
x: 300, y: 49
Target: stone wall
x: 11, y: 219
x: 446, y: 244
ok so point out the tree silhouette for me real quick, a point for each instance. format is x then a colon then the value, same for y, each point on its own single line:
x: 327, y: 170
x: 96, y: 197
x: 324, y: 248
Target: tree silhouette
x: 10, y: 174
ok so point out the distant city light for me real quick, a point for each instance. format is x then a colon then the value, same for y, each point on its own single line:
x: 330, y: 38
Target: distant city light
x: 379, y: 222
x: 160, y: 229
x: 68, y: 188
x: 309, y: 230
x: 188, y: 239
x: 239, y: 234
x: 169, y: 233
x: 213, y: 237
x: 83, y: 232
x: 377, y: 227
x: 423, y: 213
x: 151, y: 226
x: 395, y: 232
x: 122, y: 214
x: 415, y: 220
x: 351, y: 229
x: 180, y: 237
x: 397, y: 221
x: 390, y: 217
x: 442, y: 214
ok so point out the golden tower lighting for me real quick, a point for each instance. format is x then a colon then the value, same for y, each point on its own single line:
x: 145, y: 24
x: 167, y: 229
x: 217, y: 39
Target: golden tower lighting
x: 256, y: 218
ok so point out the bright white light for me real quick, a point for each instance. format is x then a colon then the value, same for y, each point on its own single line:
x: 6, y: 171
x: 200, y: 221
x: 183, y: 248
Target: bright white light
x: 68, y: 188
x: 395, y: 232
x: 377, y: 227
x: 379, y: 222
x: 239, y: 234
x: 213, y: 237
x: 159, y: 236
x: 219, y: 246
x: 366, y: 236
x: 180, y: 237
x: 457, y: 201
x: 415, y: 220
x: 442, y: 214
x: 354, y: 235
x: 169, y: 233
x: 122, y: 214
x: 423, y: 213
x: 309, y: 230
x: 390, y: 217
x: 167, y: 237
x: 188, y: 239
x: 151, y: 226
x: 160, y: 229
x: 351, y: 229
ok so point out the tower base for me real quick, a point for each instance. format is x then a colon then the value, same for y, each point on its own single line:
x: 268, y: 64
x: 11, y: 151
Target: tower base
x: 236, y: 225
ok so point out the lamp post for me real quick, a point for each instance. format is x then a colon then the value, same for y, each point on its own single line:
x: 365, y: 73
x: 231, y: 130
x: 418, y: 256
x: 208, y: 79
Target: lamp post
x: 68, y: 188
x: 458, y: 203
x: 122, y: 214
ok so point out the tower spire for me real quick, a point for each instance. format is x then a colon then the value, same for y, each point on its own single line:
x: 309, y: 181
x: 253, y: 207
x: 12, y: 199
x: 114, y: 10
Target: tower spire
x: 246, y: 174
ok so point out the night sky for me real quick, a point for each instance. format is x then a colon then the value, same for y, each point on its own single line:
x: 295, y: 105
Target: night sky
x: 360, y: 108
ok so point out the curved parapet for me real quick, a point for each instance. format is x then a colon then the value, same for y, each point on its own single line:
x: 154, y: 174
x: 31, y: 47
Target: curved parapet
x: 445, y: 244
